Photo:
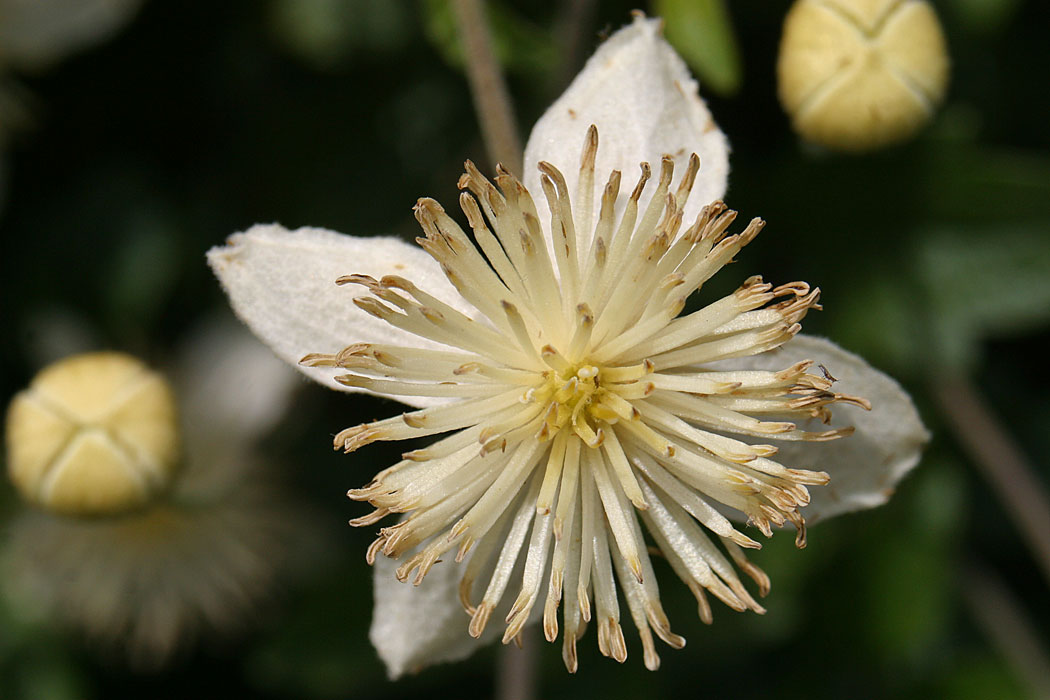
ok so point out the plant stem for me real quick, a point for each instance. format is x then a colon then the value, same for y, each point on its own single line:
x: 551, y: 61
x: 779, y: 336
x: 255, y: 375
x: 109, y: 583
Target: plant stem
x: 491, y: 99
x: 516, y: 673
x: 998, y: 614
x: 1000, y: 461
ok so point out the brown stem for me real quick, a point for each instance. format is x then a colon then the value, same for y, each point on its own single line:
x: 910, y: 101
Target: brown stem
x: 998, y: 613
x: 491, y: 99
x: 516, y: 673
x: 1000, y: 461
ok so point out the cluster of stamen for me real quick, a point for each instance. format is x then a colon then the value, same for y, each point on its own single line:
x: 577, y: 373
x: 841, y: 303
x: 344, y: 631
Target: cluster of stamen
x: 580, y: 403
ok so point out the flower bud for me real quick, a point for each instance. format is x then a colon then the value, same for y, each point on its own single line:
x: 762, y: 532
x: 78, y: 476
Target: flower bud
x: 856, y: 75
x: 93, y: 434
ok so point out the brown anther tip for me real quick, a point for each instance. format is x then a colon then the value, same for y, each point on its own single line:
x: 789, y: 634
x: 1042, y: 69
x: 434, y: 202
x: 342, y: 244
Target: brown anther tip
x: 435, y: 316
x: 396, y: 282
x: 355, y: 278
x: 858, y: 401
x: 431, y: 205
x: 352, y: 380
x: 414, y: 420
x: 551, y: 173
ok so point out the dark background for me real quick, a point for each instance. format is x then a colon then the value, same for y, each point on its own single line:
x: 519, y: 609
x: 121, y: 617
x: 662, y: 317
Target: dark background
x: 199, y: 119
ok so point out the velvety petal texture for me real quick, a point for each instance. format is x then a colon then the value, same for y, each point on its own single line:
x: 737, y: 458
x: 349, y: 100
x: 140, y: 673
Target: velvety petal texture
x: 886, y: 445
x: 640, y: 95
x: 418, y: 626
x: 283, y: 285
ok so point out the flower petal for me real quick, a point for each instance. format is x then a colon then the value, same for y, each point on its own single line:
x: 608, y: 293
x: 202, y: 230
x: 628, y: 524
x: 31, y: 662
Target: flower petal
x: 866, y: 466
x: 417, y: 626
x: 282, y: 284
x: 639, y: 94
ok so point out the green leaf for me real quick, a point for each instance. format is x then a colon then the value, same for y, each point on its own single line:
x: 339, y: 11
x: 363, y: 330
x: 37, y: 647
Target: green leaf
x: 984, y: 282
x: 702, y: 33
x: 327, y: 32
x: 876, y: 317
x: 975, y: 184
x: 520, y: 46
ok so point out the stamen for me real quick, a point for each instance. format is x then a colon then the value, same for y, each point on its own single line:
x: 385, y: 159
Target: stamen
x: 579, y: 397
x: 585, y: 186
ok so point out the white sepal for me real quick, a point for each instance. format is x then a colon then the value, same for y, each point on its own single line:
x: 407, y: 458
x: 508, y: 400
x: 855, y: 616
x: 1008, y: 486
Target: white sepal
x: 418, y: 626
x: 282, y: 284
x: 866, y: 466
x: 640, y: 95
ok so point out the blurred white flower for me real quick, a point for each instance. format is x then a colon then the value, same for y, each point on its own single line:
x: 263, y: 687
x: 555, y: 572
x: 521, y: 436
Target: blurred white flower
x: 37, y: 33
x: 194, y: 560
x: 580, y: 399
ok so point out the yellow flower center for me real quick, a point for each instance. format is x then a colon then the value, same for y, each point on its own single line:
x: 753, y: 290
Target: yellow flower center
x: 573, y: 394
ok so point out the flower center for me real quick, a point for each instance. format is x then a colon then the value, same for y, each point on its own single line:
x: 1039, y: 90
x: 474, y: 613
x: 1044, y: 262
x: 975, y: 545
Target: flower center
x: 578, y: 400
x: 574, y: 391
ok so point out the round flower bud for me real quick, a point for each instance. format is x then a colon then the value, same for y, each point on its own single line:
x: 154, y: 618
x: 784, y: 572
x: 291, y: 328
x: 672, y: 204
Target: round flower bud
x: 855, y: 75
x: 93, y: 434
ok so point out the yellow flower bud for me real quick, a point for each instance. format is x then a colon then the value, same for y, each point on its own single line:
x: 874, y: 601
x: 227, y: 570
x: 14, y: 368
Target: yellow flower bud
x: 855, y: 75
x: 93, y: 434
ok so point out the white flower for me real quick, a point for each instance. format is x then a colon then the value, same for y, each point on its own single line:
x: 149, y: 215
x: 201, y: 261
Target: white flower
x: 580, y: 403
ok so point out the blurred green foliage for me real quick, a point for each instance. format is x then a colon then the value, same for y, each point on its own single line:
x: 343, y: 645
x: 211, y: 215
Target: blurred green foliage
x: 521, y: 46
x: 198, y: 120
x: 702, y: 33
